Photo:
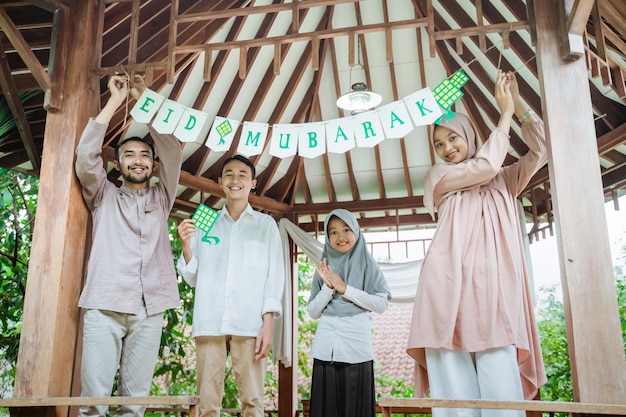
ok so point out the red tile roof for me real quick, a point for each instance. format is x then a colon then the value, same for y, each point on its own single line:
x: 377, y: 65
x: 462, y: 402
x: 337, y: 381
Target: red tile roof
x: 390, y: 337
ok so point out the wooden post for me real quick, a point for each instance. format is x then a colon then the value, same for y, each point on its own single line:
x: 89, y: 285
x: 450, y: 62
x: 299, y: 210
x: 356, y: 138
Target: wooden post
x: 592, y: 317
x: 288, y: 377
x: 50, y: 320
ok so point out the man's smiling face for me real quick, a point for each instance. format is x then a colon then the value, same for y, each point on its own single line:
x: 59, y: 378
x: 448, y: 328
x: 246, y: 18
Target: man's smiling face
x: 135, y: 163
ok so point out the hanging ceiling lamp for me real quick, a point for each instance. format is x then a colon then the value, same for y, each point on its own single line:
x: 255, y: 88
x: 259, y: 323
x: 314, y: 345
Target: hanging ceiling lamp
x: 360, y: 99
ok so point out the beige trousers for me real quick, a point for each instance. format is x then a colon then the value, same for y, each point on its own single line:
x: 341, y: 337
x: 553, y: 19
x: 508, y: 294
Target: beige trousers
x: 211, y: 355
x: 113, y: 340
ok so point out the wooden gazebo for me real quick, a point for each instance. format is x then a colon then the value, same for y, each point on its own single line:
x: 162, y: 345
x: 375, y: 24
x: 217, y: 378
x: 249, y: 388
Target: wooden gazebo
x: 279, y: 62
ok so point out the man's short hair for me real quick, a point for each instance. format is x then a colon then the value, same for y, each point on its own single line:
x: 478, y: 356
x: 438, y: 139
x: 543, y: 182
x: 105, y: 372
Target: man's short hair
x: 135, y: 139
x: 240, y: 158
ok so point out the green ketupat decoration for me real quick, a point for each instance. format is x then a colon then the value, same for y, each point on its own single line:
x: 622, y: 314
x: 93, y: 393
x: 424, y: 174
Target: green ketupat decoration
x: 205, y: 217
x: 223, y: 129
x: 448, y: 92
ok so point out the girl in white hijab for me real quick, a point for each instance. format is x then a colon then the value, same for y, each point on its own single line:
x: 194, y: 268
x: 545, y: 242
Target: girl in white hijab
x: 347, y: 285
x: 473, y: 333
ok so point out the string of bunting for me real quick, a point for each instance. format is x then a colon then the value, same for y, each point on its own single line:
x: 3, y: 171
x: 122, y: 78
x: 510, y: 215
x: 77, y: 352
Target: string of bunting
x: 310, y: 140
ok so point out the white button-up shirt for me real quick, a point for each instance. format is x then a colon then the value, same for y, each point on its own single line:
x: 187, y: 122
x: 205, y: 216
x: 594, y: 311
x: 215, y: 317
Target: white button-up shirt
x: 238, y: 279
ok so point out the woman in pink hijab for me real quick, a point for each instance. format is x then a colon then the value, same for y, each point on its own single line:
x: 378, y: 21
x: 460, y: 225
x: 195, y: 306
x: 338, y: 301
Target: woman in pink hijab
x: 473, y: 333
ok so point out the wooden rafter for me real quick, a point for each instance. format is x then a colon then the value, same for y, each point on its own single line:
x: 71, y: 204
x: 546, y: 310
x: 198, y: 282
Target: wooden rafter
x: 23, y: 49
x: 12, y: 98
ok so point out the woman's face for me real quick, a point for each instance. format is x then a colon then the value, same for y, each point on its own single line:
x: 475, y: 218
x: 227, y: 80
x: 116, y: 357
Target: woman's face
x: 340, y: 236
x: 449, y: 145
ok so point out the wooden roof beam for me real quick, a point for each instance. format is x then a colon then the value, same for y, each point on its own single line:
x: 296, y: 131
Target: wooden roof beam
x: 12, y: 98
x: 381, y: 204
x: 577, y: 12
x: 23, y: 49
x: 247, y: 11
x: 307, y: 37
x: 394, y: 89
x: 281, y: 190
x: 377, y: 222
x: 363, y: 50
x: 478, y: 30
x: 354, y: 189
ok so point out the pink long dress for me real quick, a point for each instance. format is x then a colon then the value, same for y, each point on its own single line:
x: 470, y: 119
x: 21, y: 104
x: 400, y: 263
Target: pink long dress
x: 473, y: 292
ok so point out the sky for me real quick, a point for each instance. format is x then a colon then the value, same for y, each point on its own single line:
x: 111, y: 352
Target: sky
x: 545, y: 255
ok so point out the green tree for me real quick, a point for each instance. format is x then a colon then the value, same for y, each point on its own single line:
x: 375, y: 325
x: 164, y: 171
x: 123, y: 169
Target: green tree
x: 553, y: 335
x: 306, y: 326
x: 18, y: 197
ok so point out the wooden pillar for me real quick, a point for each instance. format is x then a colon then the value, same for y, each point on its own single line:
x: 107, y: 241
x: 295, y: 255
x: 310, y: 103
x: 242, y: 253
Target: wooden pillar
x: 288, y: 377
x: 592, y: 317
x: 51, y: 315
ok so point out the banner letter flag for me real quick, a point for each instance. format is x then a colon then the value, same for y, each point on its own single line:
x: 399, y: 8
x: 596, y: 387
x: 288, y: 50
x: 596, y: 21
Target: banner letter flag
x: 192, y: 126
x: 312, y: 140
x: 422, y: 107
x: 395, y: 119
x: 284, y: 141
x: 222, y: 134
x: 253, y: 137
x: 147, y: 106
x: 368, y: 131
x: 168, y: 116
x: 339, y: 135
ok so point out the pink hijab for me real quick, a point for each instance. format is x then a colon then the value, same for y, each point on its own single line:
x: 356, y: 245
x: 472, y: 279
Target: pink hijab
x: 462, y: 125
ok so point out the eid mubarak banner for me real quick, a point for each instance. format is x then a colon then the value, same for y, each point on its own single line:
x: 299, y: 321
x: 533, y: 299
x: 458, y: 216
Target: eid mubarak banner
x: 309, y: 140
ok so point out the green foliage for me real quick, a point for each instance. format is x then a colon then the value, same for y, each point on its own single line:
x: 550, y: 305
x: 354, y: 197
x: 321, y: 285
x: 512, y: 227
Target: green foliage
x: 553, y: 336
x: 175, y: 373
x: 620, y: 283
x: 306, y: 326
x: 18, y: 194
x: 7, y: 121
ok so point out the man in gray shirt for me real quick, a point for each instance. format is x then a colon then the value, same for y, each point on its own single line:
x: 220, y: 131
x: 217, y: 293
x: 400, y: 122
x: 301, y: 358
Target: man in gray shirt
x: 131, y: 278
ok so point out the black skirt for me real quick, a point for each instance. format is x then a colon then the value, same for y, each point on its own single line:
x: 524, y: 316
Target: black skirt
x: 342, y: 389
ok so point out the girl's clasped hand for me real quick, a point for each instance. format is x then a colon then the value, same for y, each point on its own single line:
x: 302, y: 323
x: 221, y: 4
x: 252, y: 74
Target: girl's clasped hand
x: 330, y: 278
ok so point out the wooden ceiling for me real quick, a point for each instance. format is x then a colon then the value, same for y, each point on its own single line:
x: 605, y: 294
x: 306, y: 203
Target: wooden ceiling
x: 287, y: 62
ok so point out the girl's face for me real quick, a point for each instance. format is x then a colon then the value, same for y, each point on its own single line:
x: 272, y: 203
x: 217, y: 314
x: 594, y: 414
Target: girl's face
x: 449, y: 145
x: 340, y: 236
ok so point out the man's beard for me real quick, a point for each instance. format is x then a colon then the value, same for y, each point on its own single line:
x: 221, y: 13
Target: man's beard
x: 136, y: 178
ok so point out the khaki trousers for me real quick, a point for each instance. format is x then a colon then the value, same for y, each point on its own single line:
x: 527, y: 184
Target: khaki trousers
x: 211, y: 355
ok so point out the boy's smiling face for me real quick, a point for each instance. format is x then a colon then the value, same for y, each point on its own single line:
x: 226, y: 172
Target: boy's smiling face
x: 236, y: 180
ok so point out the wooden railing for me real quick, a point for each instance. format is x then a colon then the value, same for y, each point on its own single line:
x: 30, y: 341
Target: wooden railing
x: 387, y: 406
x: 391, y: 406
x: 184, y: 404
